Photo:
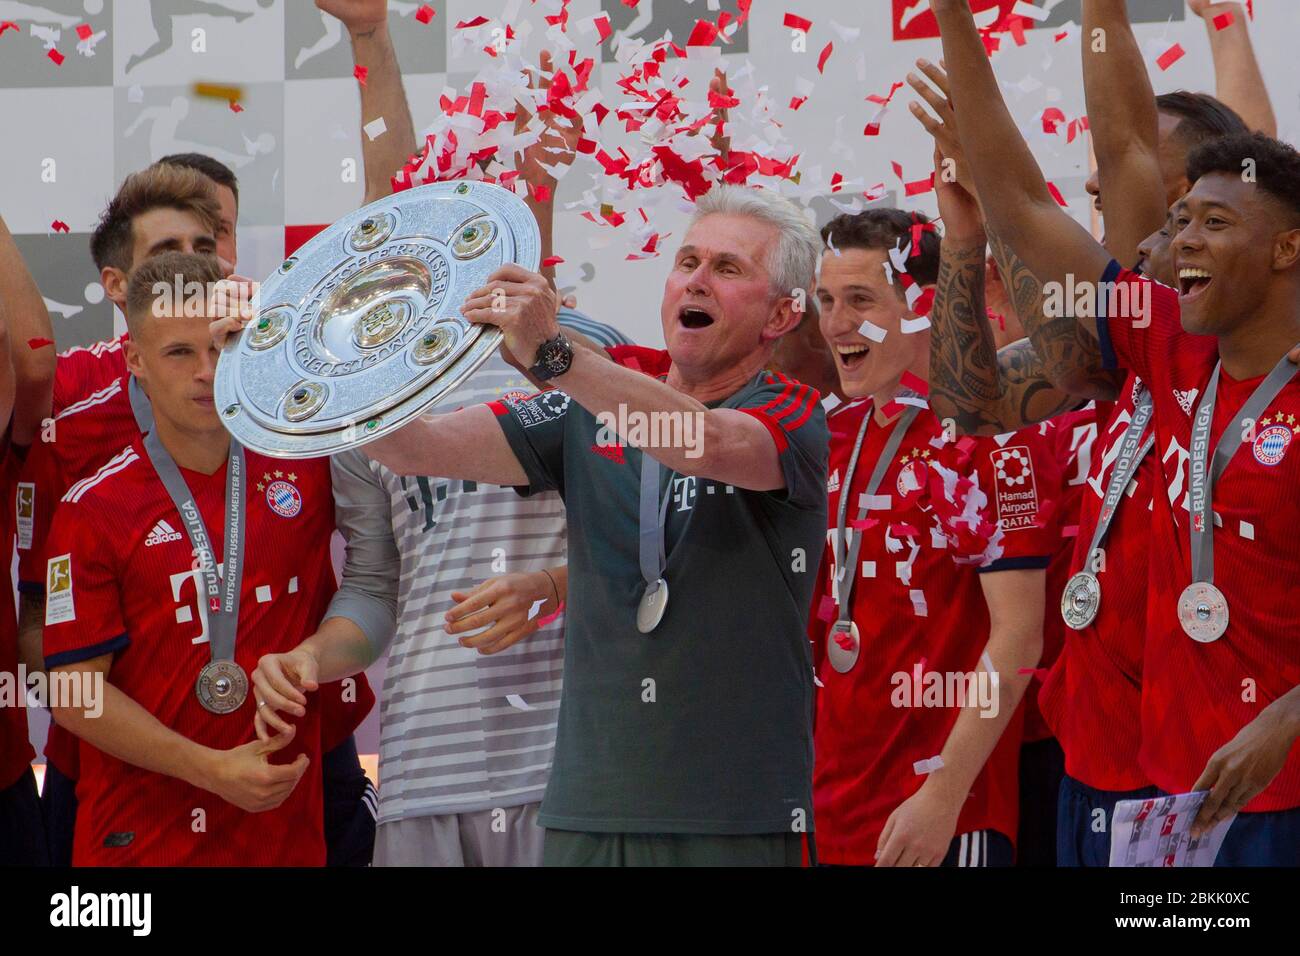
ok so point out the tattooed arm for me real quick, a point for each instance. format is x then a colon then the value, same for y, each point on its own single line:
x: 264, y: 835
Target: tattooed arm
x: 1064, y: 351
x: 983, y: 390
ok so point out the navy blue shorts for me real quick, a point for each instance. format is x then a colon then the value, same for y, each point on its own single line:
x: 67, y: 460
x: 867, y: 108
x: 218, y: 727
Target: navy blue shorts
x: 1083, y: 833
x: 59, y: 801
x: 22, y: 828
x: 1042, y: 765
x: 351, y: 804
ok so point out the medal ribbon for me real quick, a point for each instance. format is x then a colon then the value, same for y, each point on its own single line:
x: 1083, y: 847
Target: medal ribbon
x: 882, y: 465
x: 1126, y: 466
x: 651, y: 540
x: 1201, y: 485
x: 140, y: 406
x: 223, y: 623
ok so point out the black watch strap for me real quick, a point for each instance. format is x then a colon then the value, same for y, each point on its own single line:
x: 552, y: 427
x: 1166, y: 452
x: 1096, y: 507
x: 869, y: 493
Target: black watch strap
x: 554, y: 356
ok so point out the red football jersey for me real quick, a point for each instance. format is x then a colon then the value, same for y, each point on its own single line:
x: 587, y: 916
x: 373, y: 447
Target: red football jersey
x: 86, y: 434
x: 1070, y: 436
x: 1196, y: 697
x: 15, y: 752
x: 121, y: 581
x: 83, y: 370
x: 954, y: 509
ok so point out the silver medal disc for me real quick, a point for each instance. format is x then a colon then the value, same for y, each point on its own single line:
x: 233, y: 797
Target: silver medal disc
x: 222, y: 687
x: 1080, y: 600
x: 361, y: 330
x: 650, y: 610
x: 1203, y: 612
x: 843, y: 658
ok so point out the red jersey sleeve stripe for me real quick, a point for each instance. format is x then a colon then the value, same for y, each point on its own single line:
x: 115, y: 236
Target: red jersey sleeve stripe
x: 777, y: 432
x: 798, y: 409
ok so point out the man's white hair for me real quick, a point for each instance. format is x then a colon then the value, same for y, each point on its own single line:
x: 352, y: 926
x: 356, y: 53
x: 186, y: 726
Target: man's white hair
x: 792, y: 262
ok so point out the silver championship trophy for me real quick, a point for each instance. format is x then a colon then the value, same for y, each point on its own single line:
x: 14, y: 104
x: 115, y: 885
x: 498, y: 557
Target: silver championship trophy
x: 360, y: 330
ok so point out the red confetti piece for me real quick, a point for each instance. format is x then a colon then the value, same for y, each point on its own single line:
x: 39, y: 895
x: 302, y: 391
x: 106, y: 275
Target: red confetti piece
x: 843, y: 640
x: 8, y: 25
x: 837, y: 183
x: 1250, y: 9
x: 603, y: 27
x: 39, y: 343
x: 826, y: 609
x: 425, y: 13
x: 915, y: 383
x: 797, y: 101
x: 1171, y: 56
x: 920, y: 187
x: 794, y: 22
x: 1052, y: 119
x: 872, y: 129
x: 469, y: 24
x: 825, y: 55
x: 1056, y: 194
x: 59, y: 225
x: 1224, y: 20
x: 235, y: 107
x: 925, y: 303
x: 551, y: 261
x: 541, y: 193
x: 84, y: 31
x: 704, y: 34
x: 57, y: 57
x: 884, y: 100
x: 1061, y: 36
x: 361, y: 72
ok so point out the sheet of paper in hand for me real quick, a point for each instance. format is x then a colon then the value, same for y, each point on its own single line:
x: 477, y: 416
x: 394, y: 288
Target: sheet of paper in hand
x: 1157, y: 832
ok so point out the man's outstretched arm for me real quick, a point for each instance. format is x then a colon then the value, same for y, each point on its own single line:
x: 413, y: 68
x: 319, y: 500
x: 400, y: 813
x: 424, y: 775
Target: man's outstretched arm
x: 1125, y: 129
x: 1011, y: 187
x: 382, y: 95
x: 1237, y: 79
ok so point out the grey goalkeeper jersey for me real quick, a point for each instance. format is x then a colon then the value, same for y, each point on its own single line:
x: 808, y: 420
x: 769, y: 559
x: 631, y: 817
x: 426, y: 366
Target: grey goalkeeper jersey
x: 459, y: 730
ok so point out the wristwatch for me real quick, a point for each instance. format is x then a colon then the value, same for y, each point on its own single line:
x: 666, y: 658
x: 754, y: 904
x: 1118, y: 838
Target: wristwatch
x: 554, y: 356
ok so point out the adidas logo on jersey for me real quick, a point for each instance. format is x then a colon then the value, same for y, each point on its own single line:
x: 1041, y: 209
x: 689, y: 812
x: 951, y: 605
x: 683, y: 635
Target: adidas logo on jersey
x: 162, y: 533
x: 1185, y: 399
x: 833, y: 484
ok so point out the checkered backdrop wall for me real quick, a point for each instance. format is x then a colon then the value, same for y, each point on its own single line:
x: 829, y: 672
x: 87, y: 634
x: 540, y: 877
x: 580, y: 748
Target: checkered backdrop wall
x: 123, y: 95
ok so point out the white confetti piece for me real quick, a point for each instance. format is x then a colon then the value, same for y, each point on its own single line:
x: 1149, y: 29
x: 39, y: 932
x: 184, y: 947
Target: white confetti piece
x: 876, y: 502
x: 376, y: 128
x: 1037, y: 14
x: 537, y: 606
x: 872, y: 331
x: 135, y: 94
x: 912, y: 326
x: 517, y: 702
x: 868, y: 569
x: 1248, y: 531
x: 919, y: 606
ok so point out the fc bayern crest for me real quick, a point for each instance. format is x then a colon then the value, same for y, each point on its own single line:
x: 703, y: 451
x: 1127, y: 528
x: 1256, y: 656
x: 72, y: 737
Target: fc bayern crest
x: 1271, y: 444
x: 283, y: 498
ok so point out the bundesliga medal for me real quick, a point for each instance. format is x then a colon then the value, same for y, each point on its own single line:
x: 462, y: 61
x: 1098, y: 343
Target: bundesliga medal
x: 1203, y: 612
x: 650, y: 610
x: 222, y: 687
x: 843, y: 645
x: 1081, y: 600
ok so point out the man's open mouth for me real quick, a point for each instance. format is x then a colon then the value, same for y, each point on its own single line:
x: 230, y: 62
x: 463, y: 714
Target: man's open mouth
x: 1193, y: 282
x: 851, y: 356
x: 692, y: 318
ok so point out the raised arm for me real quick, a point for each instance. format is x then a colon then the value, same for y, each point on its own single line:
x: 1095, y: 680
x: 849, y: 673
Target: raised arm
x: 382, y: 95
x: 27, y: 322
x: 1237, y: 79
x: 1122, y: 117
x: 1016, y: 201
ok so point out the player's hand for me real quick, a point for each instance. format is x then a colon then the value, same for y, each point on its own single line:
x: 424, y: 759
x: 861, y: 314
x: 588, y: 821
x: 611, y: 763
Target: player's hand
x: 281, y: 682
x: 1242, y: 768
x: 919, y: 831
x: 246, y: 777
x: 501, y: 605
x: 570, y: 301
x: 234, y: 303
x: 520, y: 303
x: 943, y: 124
x: 358, y: 16
x: 558, y: 145
x: 963, y: 221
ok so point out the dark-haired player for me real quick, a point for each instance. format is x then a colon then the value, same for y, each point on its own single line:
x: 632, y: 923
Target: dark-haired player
x: 934, y: 574
x: 1220, y: 701
x: 226, y: 186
